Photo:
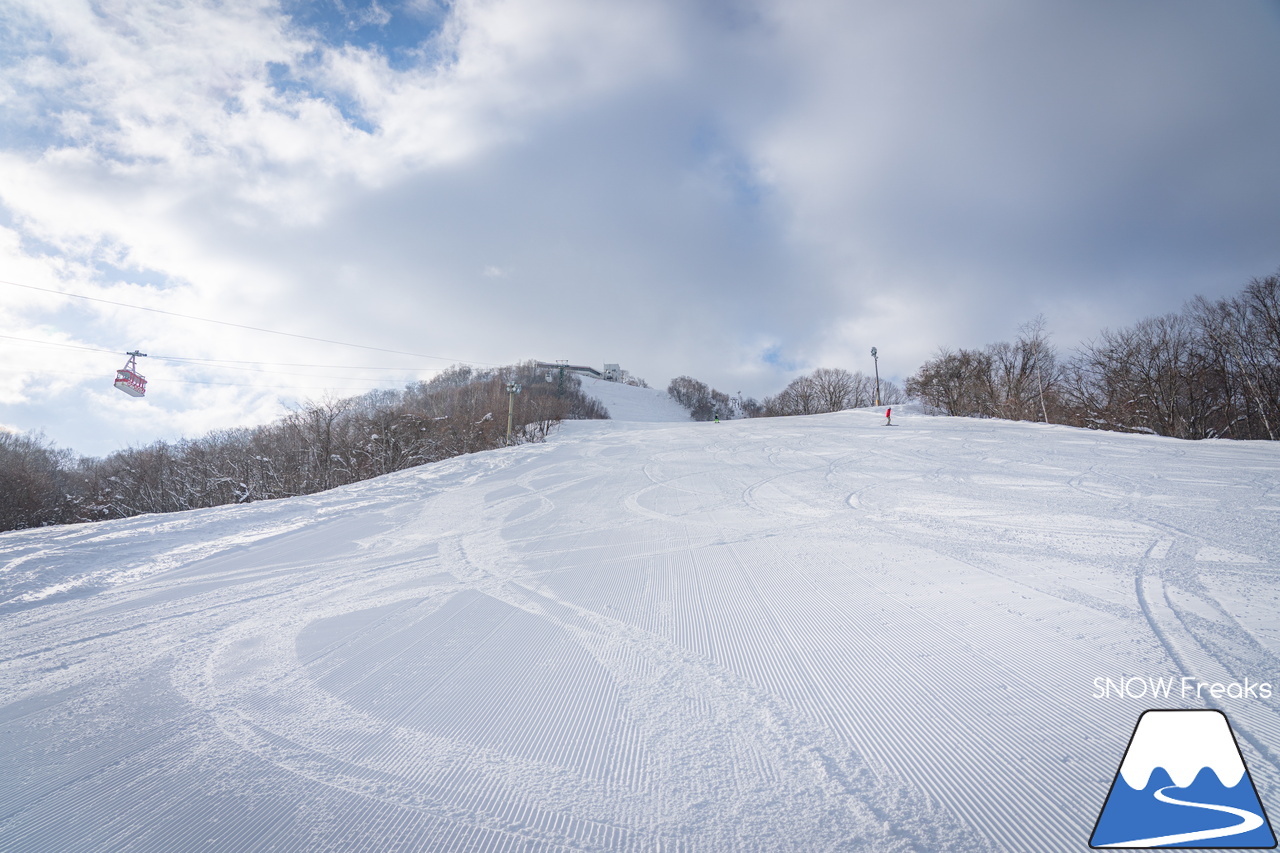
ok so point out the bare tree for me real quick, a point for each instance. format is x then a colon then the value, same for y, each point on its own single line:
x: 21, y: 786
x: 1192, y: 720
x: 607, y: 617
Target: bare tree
x: 827, y: 389
x: 33, y: 482
x: 1024, y: 374
x: 1241, y: 340
x: 702, y: 401
x: 834, y: 388
x: 956, y: 382
x: 1151, y: 377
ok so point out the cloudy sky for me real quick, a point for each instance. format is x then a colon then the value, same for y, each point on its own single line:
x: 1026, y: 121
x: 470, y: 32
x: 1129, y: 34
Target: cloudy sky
x: 739, y: 190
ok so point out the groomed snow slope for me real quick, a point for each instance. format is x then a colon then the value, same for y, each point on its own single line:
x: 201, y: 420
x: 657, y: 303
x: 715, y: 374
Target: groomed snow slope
x: 630, y: 403
x: 782, y: 634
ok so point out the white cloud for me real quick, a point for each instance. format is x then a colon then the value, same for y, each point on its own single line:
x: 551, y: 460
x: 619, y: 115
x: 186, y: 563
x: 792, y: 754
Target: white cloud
x: 684, y: 188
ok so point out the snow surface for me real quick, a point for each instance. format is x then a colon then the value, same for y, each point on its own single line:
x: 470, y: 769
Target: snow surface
x: 802, y: 634
x: 630, y: 403
x: 1183, y: 743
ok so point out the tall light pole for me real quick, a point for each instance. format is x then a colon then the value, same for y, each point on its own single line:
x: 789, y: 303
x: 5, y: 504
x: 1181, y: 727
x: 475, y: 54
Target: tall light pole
x: 876, y: 357
x: 513, y: 388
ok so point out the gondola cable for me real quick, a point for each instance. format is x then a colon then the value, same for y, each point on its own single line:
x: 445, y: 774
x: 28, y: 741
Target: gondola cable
x: 169, y: 381
x: 240, y: 325
x: 225, y: 364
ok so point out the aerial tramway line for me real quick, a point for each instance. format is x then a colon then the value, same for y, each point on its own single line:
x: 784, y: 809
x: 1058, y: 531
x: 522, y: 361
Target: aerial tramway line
x: 133, y: 383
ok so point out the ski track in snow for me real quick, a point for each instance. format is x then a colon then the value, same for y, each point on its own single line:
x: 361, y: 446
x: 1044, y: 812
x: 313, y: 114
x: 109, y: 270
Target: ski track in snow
x: 785, y: 634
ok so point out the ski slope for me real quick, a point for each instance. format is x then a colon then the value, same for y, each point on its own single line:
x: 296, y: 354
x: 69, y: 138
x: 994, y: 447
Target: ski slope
x: 629, y: 403
x: 800, y: 634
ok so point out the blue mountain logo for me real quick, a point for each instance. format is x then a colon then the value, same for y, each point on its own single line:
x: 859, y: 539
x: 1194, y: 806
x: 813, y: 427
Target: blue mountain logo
x: 1183, y: 783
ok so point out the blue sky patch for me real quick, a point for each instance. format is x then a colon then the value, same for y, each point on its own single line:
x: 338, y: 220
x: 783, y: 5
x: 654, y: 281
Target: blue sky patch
x: 400, y: 31
x: 286, y: 82
x: 774, y: 357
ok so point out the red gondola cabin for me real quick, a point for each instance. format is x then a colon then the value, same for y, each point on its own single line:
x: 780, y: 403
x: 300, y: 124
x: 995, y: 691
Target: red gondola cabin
x: 129, y: 380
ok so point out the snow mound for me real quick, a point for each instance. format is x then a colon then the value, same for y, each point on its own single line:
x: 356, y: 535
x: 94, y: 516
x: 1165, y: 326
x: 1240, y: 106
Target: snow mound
x: 629, y: 403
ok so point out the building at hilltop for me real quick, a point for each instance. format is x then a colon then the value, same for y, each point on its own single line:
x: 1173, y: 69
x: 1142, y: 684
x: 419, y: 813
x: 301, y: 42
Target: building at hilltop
x: 611, y: 372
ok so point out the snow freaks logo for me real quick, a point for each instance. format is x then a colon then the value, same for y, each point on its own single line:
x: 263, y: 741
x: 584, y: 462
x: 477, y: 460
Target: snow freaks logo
x: 1183, y: 783
x: 1186, y: 687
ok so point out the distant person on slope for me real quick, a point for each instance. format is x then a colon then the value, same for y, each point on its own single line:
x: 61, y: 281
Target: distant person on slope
x: 888, y: 421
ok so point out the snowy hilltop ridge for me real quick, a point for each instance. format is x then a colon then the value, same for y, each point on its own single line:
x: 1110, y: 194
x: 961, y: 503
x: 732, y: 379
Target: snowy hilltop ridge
x: 1183, y: 743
